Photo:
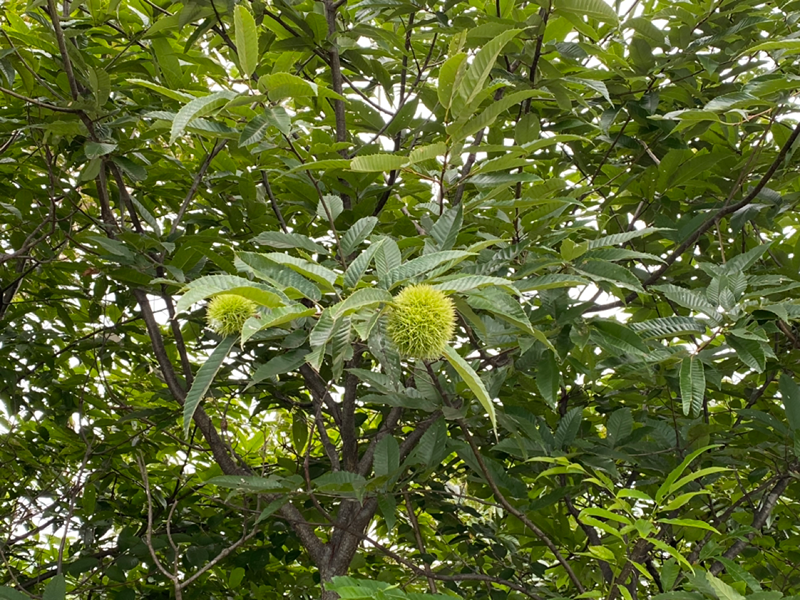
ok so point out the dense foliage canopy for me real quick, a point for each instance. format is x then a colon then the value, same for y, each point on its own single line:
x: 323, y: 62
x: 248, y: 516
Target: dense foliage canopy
x: 607, y: 193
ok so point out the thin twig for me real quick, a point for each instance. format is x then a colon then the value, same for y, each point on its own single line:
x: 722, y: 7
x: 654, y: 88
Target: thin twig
x: 218, y: 146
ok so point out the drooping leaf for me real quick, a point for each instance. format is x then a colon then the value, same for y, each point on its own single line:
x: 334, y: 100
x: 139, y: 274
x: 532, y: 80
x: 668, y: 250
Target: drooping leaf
x: 420, y: 266
x: 203, y: 379
x: 472, y: 380
x: 198, y: 107
x: 357, y: 233
x: 276, y: 317
x: 246, y: 39
x: 211, y: 285
x: 387, y: 457
x: 317, y: 273
x: 478, y: 71
x: 279, y: 239
x: 56, y: 588
x: 790, y: 394
x: 617, y: 336
x: 548, y: 378
x: 374, y: 163
x: 594, y: 9
x: 284, y: 363
x: 693, y: 385
x: 363, y: 298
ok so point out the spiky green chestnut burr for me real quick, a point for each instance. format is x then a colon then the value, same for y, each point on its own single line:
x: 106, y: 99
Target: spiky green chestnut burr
x: 421, y: 321
x: 227, y: 313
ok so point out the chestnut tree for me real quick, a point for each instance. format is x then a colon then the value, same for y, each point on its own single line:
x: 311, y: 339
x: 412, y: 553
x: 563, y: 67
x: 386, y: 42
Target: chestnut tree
x: 399, y: 299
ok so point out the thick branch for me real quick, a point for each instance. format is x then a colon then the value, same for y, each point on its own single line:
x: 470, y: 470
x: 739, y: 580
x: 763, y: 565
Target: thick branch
x: 348, y: 428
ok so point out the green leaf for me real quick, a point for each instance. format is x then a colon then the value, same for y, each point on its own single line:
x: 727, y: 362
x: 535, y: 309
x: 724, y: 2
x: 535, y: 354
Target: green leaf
x: 688, y: 299
x: 690, y: 523
x: 56, y: 589
x: 722, y: 589
x: 428, y: 152
x: 357, y: 233
x: 255, y: 130
x: 617, y: 336
x: 172, y: 94
x: 550, y: 282
x: 663, y: 490
x: 450, y: 74
x: 594, y: 9
x: 359, y: 266
x: 387, y: 257
x: 620, y: 425
x: 681, y: 500
x: 340, y: 481
x: 750, y: 352
x: 202, y: 381
x: 285, y: 85
x: 620, y: 238
x: 462, y: 130
x: 667, y: 327
x: 601, y: 270
x: 291, y: 283
x: 197, y: 108
x: 790, y: 394
x: 317, y: 273
x: 253, y: 483
x: 695, y: 475
x: 329, y: 207
x: 363, y: 298
x: 467, y: 283
x: 275, y: 317
x: 674, y: 553
x: 507, y: 308
x: 568, y: 428
x: 548, y: 378
x: 375, y: 163
x: 388, y: 506
x: 211, y: 285
x: 271, y: 508
x: 605, y: 514
x: 244, y: 26
x: 740, y: 574
x: 478, y: 70
x: 323, y: 165
x: 693, y: 385
x: 323, y: 330
x: 446, y: 229
x: 472, y: 380
x: 284, y: 363
x: 420, y: 266
x: 387, y: 457
x: 279, y: 239
x: 237, y: 575
x: 97, y: 149
x: 790, y: 45
x: 7, y: 593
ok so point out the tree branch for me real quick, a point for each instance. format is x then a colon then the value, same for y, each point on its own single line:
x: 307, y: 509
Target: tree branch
x: 412, y: 518
x: 218, y: 146
x: 759, y: 519
x: 518, y: 514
